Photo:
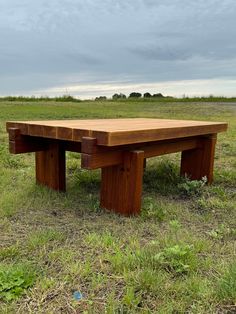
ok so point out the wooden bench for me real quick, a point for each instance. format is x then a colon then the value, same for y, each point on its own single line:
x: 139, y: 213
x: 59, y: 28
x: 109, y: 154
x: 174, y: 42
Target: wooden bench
x: 118, y: 146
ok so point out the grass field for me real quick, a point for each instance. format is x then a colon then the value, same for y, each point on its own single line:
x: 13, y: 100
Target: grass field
x: 179, y: 256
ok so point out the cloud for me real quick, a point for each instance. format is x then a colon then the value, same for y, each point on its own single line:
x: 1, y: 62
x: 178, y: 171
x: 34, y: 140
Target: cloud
x: 217, y: 87
x: 59, y: 42
x: 161, y: 53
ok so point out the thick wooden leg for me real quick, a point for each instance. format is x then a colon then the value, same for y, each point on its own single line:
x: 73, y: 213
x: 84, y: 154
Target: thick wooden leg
x: 50, y: 167
x: 199, y: 162
x: 121, y: 189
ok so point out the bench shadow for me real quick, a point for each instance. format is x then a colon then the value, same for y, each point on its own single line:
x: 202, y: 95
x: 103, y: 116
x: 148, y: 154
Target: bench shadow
x: 162, y: 177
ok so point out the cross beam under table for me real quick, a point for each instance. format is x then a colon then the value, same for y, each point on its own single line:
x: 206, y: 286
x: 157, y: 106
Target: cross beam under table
x: 122, y: 166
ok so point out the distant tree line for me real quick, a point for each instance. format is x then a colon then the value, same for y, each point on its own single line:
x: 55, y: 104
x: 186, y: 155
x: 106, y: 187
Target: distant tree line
x: 101, y: 98
x: 64, y: 98
x: 137, y: 95
x: 68, y: 98
x: 133, y: 95
x: 117, y: 96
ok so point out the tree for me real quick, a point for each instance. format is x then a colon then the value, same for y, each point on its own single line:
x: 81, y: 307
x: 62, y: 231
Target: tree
x: 101, y: 98
x: 122, y: 96
x: 147, y: 95
x: 115, y: 96
x: 119, y: 96
x: 135, y: 95
x: 157, y: 95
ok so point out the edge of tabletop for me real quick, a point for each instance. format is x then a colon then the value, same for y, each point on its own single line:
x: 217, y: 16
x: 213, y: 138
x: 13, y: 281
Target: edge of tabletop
x: 114, y: 138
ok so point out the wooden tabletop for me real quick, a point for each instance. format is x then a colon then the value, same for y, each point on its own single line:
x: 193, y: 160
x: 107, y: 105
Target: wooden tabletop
x: 111, y: 132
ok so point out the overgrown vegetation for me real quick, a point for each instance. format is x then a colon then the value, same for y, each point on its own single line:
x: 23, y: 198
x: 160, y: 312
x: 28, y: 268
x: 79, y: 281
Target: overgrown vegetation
x: 14, y: 280
x: 178, y: 256
x: 64, y: 98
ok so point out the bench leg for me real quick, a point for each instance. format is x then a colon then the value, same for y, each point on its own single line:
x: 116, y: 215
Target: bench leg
x: 199, y: 162
x: 121, y: 189
x: 50, y: 167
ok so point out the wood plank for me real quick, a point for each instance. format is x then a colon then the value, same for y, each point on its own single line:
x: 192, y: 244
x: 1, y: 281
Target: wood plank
x: 22, y: 126
x: 113, y: 132
x: 65, y: 133
x: 121, y: 188
x: 114, y: 138
x: 26, y: 146
x: 101, y: 160
x: 50, y: 167
x: 198, y: 163
x: 19, y: 144
x: 107, y: 158
x: 14, y: 134
x: 78, y: 134
x: 168, y: 147
x: 89, y: 145
x: 42, y: 131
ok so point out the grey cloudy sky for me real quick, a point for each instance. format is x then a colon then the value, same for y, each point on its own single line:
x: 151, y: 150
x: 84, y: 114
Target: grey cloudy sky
x: 93, y: 47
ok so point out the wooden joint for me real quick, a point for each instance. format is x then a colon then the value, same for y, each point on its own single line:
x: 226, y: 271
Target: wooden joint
x: 19, y: 144
x: 168, y: 147
x: 203, y: 140
x: 14, y: 133
x: 89, y: 145
x: 211, y: 136
x: 100, y: 157
x: 101, y: 160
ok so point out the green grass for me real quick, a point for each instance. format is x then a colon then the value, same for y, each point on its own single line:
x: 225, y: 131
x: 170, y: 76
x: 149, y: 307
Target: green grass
x: 226, y: 289
x: 178, y: 256
x: 14, y: 280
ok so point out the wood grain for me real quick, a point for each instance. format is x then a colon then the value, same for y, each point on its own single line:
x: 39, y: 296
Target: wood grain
x: 19, y: 143
x: 50, y: 167
x: 106, y: 156
x: 112, y: 132
x: 101, y: 160
x: 121, y: 188
x: 198, y: 163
